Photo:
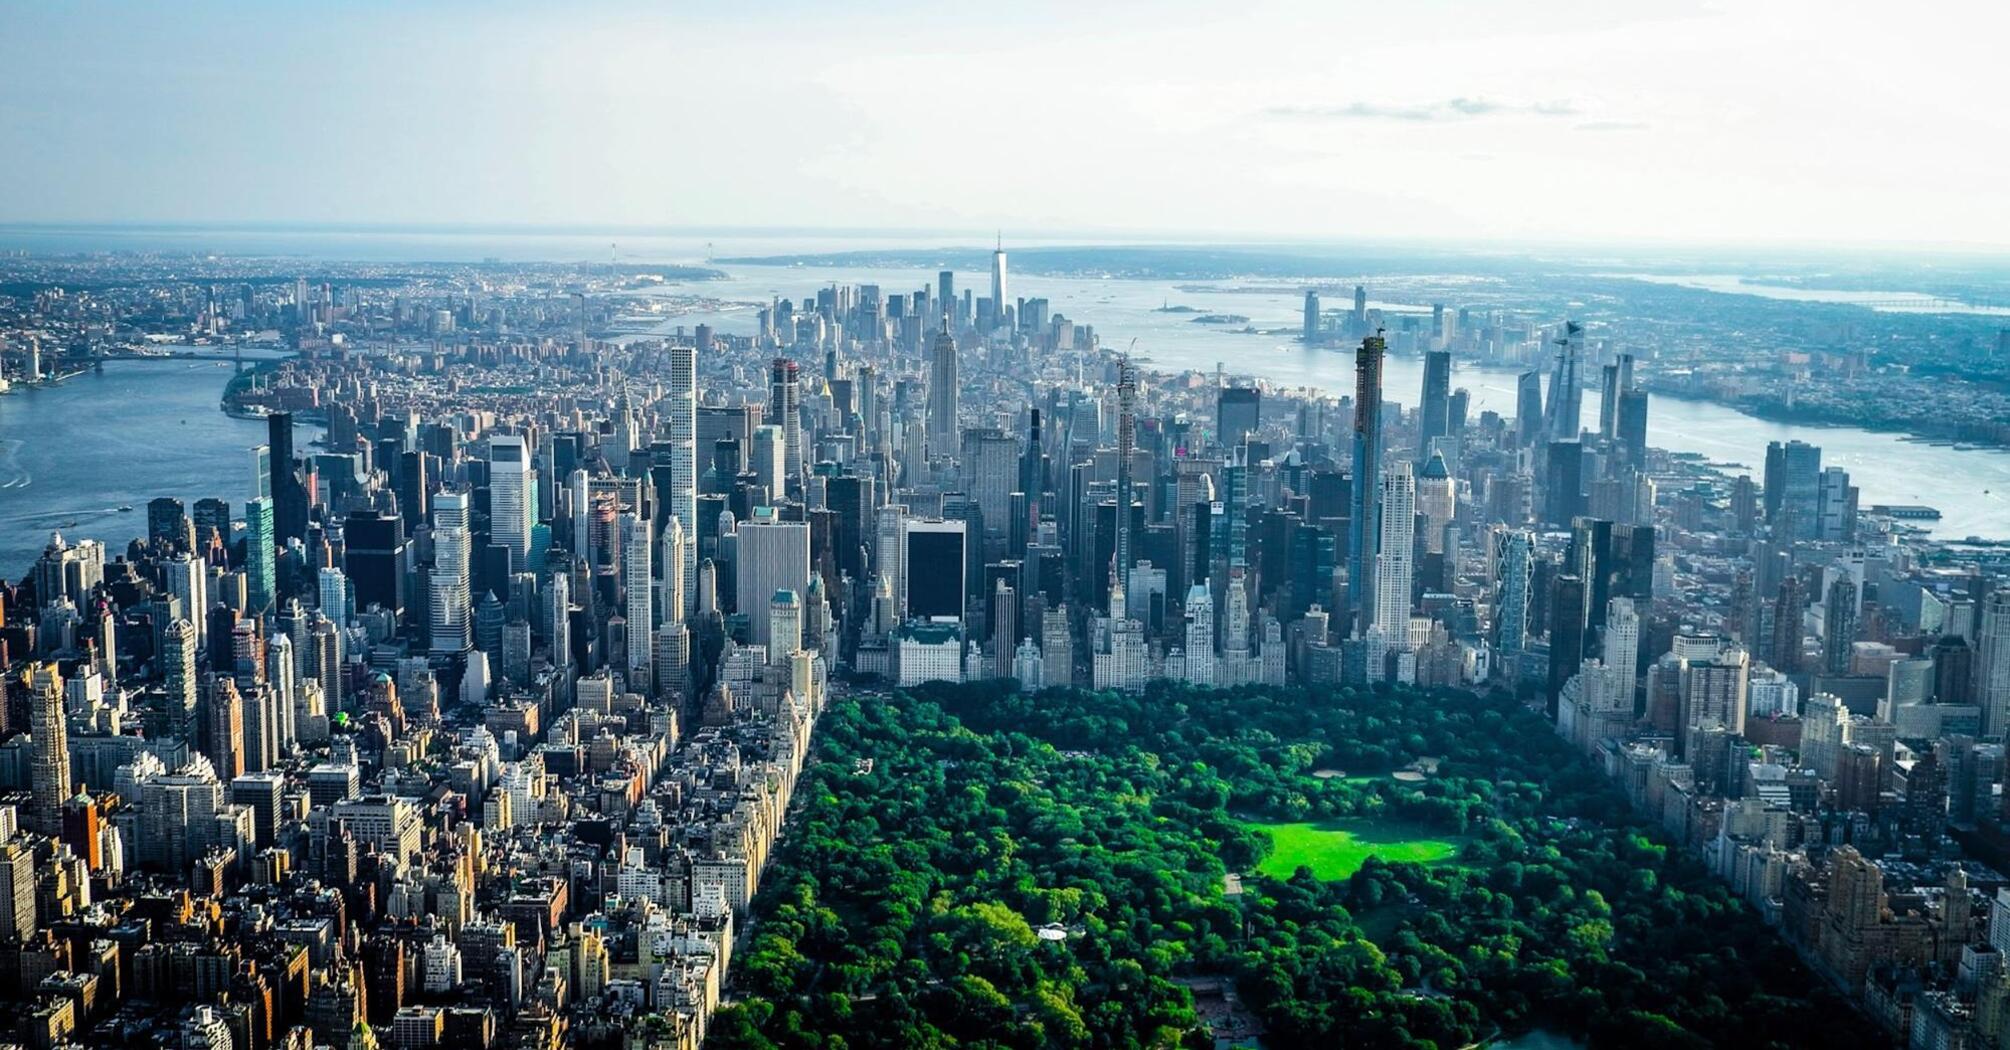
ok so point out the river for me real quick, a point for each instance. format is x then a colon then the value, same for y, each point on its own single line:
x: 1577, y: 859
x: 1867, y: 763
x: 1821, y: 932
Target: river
x: 81, y: 449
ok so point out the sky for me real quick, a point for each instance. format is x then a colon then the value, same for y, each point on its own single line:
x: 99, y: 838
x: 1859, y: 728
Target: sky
x: 1760, y: 122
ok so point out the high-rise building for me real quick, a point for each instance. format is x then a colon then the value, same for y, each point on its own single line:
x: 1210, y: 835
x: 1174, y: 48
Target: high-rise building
x: 373, y: 551
x: 1632, y: 426
x: 1394, y: 567
x: 943, y: 392
x: 1514, y: 567
x: 1437, y: 501
x: 187, y: 578
x: 1793, y: 489
x: 999, y: 291
x: 1004, y: 627
x: 290, y: 499
x: 785, y: 406
x: 1434, y: 411
x: 768, y: 461
x: 1839, y: 617
x: 168, y: 525
x: 1992, y: 663
x: 49, y: 761
x: 1238, y: 414
x: 1715, y: 691
x: 1563, y: 482
x: 1311, y: 326
x: 1364, y: 522
x: 682, y: 451
x: 332, y: 585
x: 785, y: 626
x: 1127, y: 441
x: 638, y: 592
x: 771, y: 555
x: 260, y: 553
x: 1788, y: 609
x: 1561, y: 414
x: 1529, y: 421
x: 511, y: 510
x: 1835, y: 507
x: 449, y: 604
x: 932, y: 557
x: 1200, y: 663
x: 178, y: 675
x: 1953, y: 670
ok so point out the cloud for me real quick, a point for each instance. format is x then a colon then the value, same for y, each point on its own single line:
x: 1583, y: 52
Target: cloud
x: 1451, y: 109
x: 1612, y: 125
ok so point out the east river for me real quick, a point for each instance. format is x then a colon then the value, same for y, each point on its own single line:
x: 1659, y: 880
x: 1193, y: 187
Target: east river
x: 80, y: 450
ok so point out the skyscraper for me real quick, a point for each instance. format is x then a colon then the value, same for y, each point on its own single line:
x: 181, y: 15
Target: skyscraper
x: 373, y: 548
x: 1529, y: 422
x: 333, y: 587
x: 1394, y: 558
x: 638, y: 593
x: 1787, y: 611
x: 1793, y: 489
x: 289, y: 499
x: 188, y: 579
x: 449, y: 604
x: 178, y: 677
x: 1238, y: 412
x: 1127, y: 437
x: 1434, y: 411
x: 49, y: 759
x: 1363, y: 522
x: 259, y: 555
x: 785, y: 405
x: 772, y: 555
x: 1992, y: 663
x: 999, y: 302
x: 1514, y: 567
x: 1839, y: 613
x: 682, y: 419
x: 1311, y: 333
x: 932, y: 560
x: 510, y: 507
x: 943, y: 383
x: 1632, y: 425
x: 1565, y: 389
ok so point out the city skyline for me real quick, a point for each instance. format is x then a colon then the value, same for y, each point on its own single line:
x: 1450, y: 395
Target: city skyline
x: 708, y: 527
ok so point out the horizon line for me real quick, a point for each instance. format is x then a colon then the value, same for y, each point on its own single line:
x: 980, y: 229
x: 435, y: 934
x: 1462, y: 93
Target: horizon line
x: 1091, y: 236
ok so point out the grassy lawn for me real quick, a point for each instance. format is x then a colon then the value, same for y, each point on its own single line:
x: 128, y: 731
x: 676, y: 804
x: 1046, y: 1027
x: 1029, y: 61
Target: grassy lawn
x: 1335, y: 849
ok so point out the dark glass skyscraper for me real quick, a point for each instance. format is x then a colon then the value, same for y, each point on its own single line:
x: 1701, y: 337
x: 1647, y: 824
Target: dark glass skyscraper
x: 1237, y: 412
x: 1364, y: 523
x: 1434, y: 411
x: 289, y: 497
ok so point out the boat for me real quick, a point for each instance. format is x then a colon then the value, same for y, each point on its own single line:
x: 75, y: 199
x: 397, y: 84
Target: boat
x: 126, y: 508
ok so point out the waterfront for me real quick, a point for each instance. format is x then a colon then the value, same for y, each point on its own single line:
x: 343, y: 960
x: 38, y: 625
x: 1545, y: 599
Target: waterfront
x: 1970, y: 487
x: 81, y: 449
x: 157, y: 423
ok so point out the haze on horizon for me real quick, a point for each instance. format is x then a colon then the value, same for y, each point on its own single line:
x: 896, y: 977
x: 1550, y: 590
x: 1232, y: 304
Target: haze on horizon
x: 1556, y: 120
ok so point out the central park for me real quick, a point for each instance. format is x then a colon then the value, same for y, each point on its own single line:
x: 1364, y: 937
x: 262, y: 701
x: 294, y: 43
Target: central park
x: 977, y: 866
